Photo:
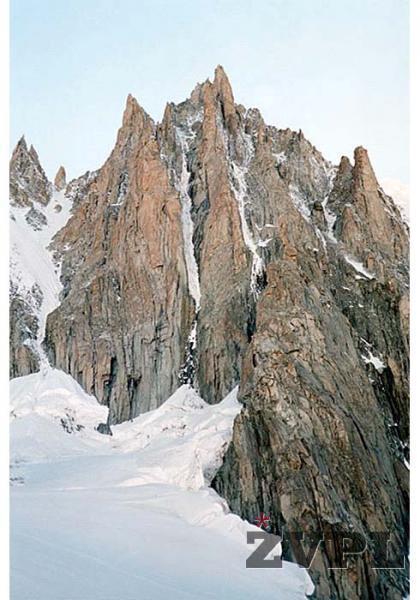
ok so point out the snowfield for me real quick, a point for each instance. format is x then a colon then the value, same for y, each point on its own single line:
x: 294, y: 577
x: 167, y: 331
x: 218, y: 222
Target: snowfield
x: 128, y: 516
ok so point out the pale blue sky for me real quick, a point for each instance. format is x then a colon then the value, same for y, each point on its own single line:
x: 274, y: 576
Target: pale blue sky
x: 337, y: 69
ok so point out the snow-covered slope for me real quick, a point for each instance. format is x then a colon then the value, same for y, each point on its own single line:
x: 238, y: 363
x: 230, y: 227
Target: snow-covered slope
x: 128, y: 516
x: 33, y: 274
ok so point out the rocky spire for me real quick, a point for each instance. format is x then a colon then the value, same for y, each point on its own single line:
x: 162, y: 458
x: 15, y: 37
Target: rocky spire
x: 21, y: 146
x: 28, y: 182
x: 344, y: 167
x: 136, y: 124
x: 134, y: 117
x: 342, y: 186
x: 222, y: 84
x: 363, y: 173
x: 224, y: 92
x: 140, y: 290
x: 367, y: 221
x: 60, y: 179
x: 132, y: 110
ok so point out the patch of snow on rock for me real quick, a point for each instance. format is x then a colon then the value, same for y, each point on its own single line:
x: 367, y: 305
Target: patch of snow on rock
x: 358, y: 266
x: 377, y: 362
x: 299, y: 202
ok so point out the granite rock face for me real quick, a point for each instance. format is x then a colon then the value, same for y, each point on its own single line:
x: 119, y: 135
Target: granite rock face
x: 125, y: 313
x: 194, y: 137
x: 214, y: 249
x: 322, y: 442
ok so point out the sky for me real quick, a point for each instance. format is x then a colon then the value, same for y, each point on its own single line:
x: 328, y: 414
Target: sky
x: 337, y: 69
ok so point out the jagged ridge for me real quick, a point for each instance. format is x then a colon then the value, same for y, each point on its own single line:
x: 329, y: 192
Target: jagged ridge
x: 215, y: 249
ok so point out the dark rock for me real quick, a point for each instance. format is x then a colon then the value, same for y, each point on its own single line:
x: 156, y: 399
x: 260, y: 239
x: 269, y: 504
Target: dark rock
x: 104, y: 428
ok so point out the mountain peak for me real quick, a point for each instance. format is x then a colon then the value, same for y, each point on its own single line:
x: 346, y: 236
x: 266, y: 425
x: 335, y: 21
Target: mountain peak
x: 344, y: 166
x: 363, y: 171
x: 133, y: 112
x: 222, y: 83
x: 135, y: 121
x: 21, y: 143
x: 28, y: 181
x: 60, y: 179
x: 220, y: 74
x: 21, y: 149
x: 131, y: 102
x: 224, y: 92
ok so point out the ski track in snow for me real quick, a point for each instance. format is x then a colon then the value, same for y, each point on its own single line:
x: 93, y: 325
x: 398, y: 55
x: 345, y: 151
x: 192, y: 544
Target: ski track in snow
x: 130, y: 516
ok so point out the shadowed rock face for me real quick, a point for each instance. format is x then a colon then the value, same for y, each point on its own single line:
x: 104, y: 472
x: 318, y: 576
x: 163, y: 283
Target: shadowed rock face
x: 216, y: 250
x: 315, y: 446
x: 323, y: 436
x: 23, y: 358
